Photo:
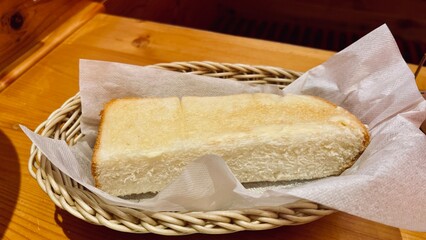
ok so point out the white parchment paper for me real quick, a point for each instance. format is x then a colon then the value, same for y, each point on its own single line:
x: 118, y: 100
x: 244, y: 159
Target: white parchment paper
x: 387, y: 184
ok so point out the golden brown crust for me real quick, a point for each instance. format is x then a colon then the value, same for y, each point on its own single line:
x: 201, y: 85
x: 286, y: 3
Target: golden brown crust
x: 354, y: 118
x: 94, y: 157
x: 95, y: 152
x: 98, y: 143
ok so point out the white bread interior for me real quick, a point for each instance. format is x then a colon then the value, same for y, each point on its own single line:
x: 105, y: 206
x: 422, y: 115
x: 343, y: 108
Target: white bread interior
x: 144, y: 144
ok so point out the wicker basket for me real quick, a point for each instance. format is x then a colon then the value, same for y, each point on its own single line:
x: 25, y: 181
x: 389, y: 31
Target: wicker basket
x: 64, y: 123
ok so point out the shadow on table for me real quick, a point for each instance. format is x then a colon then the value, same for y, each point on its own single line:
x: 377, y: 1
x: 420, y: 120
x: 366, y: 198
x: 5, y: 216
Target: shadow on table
x: 9, y: 181
x: 335, y: 226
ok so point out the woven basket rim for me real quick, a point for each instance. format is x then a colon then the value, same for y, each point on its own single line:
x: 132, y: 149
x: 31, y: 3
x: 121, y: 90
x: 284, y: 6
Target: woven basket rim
x: 64, y: 123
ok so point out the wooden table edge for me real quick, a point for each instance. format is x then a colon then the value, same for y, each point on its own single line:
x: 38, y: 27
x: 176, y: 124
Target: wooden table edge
x: 50, y: 42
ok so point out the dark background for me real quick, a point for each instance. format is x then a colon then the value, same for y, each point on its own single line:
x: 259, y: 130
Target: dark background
x: 324, y: 24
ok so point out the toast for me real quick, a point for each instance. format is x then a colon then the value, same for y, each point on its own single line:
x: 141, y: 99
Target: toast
x: 143, y: 144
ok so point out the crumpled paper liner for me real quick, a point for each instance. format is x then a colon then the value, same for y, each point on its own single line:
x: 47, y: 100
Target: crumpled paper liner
x: 369, y: 78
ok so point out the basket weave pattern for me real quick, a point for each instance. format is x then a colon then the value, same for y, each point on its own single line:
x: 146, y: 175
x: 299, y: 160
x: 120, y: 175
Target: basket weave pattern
x: 64, y: 123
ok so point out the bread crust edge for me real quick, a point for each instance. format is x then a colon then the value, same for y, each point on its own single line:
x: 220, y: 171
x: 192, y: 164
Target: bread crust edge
x: 355, y: 119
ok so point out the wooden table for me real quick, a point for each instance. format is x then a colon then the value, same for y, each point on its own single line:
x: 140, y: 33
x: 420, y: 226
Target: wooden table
x: 27, y: 212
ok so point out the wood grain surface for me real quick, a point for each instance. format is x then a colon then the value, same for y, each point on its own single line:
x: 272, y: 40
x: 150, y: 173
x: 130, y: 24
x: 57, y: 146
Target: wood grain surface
x: 46, y: 42
x: 27, y: 212
x: 25, y: 23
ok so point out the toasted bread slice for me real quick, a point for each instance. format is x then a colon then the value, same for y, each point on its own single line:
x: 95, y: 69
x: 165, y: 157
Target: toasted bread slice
x: 144, y: 144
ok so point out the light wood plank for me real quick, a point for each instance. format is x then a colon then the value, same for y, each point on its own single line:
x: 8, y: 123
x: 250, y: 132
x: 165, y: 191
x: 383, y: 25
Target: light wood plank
x: 83, y: 11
